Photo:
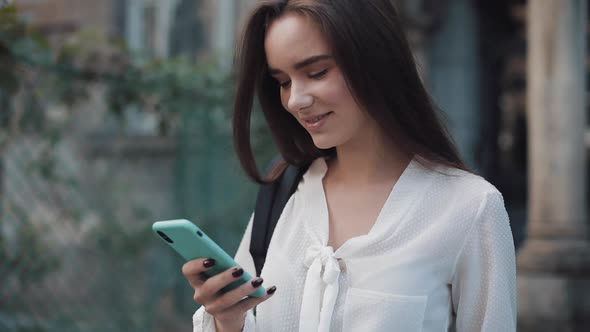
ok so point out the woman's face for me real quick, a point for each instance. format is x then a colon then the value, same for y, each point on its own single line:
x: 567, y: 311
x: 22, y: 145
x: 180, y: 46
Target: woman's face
x: 313, y: 88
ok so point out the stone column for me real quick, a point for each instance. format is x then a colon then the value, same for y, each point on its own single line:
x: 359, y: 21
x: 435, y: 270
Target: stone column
x: 137, y: 29
x: 165, y: 11
x: 554, y: 263
x: 454, y: 75
x: 134, y: 25
x: 224, y: 31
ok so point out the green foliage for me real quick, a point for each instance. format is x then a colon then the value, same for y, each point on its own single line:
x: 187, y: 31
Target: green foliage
x: 169, y: 88
x: 113, y: 239
x: 64, y: 74
x: 8, y: 80
x: 33, y: 257
x: 10, y: 28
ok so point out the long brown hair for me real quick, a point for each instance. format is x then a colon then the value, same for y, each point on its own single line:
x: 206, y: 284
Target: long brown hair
x: 370, y: 47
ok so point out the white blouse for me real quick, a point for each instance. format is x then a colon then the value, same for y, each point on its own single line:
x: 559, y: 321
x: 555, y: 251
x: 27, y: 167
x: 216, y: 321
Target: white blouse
x: 440, y: 257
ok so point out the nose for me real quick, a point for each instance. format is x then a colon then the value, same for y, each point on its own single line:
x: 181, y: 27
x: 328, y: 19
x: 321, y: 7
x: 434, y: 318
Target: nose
x: 299, y: 98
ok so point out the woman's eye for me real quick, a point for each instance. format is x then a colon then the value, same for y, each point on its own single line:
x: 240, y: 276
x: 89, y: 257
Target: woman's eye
x: 316, y: 76
x: 319, y: 75
x: 285, y: 84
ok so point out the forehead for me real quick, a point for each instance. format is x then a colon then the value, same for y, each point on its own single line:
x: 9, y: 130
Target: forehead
x: 292, y: 38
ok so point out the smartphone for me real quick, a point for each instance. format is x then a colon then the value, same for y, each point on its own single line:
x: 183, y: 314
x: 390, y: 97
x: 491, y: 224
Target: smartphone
x: 191, y: 242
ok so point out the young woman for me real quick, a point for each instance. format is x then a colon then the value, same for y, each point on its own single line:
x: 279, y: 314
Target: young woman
x: 388, y: 230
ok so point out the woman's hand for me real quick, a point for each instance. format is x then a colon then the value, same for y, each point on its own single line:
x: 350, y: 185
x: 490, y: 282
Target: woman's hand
x: 228, y: 309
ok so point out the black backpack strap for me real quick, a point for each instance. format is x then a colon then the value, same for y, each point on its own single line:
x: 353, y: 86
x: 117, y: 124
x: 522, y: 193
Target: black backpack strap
x: 270, y: 202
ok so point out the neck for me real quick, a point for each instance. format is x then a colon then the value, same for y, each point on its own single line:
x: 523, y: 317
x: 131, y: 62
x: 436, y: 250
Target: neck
x: 370, y: 159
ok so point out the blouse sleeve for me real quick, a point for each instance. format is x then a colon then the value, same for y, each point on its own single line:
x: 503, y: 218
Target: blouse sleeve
x: 203, y: 321
x: 484, y: 280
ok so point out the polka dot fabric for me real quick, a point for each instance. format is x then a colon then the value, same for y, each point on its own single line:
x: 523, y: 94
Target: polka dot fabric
x: 440, y: 257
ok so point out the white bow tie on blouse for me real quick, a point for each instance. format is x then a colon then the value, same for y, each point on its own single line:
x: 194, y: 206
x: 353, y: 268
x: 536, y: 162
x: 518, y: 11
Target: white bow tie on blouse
x: 312, y: 317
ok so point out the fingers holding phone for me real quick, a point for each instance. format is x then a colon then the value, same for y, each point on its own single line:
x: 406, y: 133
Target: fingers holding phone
x: 230, y: 317
x: 209, y: 290
x: 228, y: 308
x: 194, y: 271
x: 224, y: 289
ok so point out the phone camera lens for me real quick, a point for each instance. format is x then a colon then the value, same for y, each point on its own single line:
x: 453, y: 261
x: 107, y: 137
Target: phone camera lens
x: 165, y: 237
x: 199, y: 233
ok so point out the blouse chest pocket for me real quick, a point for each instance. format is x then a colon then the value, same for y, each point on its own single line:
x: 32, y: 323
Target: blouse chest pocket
x: 371, y: 311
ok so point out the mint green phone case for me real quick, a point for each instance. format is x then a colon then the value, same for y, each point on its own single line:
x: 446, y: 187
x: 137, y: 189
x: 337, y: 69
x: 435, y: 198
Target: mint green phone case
x: 192, y: 243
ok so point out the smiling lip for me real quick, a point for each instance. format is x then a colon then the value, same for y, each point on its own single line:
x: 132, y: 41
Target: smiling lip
x: 313, y: 123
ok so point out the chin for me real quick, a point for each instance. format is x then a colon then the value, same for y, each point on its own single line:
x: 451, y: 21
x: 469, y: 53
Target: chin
x: 323, y: 142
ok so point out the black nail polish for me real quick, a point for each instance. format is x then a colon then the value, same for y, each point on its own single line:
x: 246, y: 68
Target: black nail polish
x: 209, y: 262
x: 237, y: 272
x: 271, y: 290
x: 256, y: 283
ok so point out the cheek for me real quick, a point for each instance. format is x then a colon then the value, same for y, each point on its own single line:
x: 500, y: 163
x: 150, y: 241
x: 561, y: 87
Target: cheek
x: 336, y: 92
x: 285, y: 100
x: 341, y: 99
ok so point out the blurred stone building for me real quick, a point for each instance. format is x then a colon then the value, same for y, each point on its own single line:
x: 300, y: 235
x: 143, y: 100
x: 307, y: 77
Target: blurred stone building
x: 474, y: 60
x: 126, y: 173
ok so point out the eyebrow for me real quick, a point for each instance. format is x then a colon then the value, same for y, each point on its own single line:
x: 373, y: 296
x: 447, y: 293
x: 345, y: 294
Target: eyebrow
x: 304, y: 63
